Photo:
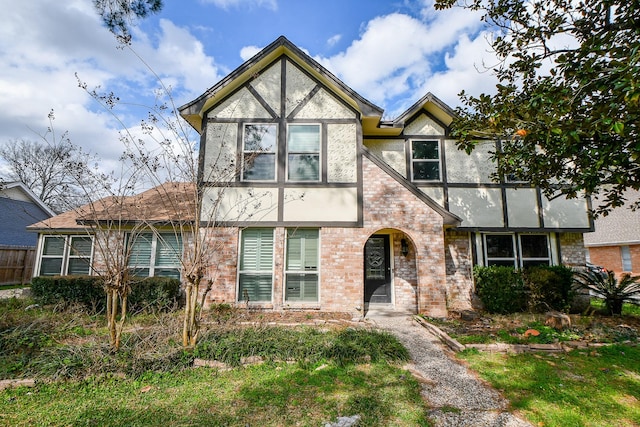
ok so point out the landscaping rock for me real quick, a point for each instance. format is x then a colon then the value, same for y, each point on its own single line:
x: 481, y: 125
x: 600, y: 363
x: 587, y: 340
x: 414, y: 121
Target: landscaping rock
x: 469, y: 315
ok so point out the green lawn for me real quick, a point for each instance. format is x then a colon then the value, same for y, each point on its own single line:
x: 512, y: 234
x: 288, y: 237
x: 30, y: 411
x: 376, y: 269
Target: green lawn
x: 262, y: 395
x: 595, y: 387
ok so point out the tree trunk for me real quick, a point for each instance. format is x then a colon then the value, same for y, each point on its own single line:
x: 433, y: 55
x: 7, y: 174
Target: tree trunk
x: 615, y: 306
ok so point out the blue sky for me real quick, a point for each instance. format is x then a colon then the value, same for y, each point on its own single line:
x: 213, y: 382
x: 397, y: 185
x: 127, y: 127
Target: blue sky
x: 391, y: 52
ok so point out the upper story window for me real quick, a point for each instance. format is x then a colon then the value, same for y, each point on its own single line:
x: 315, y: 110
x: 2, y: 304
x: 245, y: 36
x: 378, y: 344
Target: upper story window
x: 259, y: 152
x: 155, y: 254
x: 522, y: 250
x: 65, y: 255
x: 425, y: 160
x: 303, y: 152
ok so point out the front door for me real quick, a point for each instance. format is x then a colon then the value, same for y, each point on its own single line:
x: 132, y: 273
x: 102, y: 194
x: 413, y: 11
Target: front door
x: 377, y: 270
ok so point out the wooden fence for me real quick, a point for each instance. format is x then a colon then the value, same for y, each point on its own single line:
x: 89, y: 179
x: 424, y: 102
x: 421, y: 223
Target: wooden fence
x: 16, y: 264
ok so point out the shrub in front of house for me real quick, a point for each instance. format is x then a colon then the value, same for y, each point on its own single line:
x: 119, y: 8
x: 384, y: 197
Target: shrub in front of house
x: 548, y: 287
x: 149, y: 294
x: 66, y: 290
x: 501, y: 289
x: 153, y: 294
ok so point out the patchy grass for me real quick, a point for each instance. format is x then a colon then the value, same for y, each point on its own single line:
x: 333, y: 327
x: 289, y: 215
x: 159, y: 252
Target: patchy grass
x: 309, y: 375
x: 582, y: 388
x: 264, y: 395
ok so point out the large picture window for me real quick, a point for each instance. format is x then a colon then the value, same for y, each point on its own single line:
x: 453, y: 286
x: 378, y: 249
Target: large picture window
x: 259, y: 147
x: 303, y: 148
x: 65, y: 255
x: 425, y: 160
x: 521, y: 250
x: 301, y: 271
x: 155, y: 254
x: 255, y: 277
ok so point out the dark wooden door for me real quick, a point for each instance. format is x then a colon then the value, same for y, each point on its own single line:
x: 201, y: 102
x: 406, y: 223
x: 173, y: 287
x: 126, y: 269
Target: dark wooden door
x: 377, y: 270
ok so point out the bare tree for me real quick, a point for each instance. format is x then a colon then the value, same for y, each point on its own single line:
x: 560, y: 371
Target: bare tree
x: 50, y: 167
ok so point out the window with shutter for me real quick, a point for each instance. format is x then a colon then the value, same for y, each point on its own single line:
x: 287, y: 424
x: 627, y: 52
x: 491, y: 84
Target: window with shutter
x: 155, y: 255
x: 302, y: 262
x: 255, y: 278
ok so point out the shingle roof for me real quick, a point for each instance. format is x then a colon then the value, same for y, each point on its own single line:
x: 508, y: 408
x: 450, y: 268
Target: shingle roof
x: 173, y: 201
x: 621, y: 226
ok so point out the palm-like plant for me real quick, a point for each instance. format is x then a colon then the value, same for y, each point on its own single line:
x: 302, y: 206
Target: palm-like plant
x: 604, y: 284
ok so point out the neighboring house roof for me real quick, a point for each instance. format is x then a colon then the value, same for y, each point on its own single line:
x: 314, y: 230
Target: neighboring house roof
x: 15, y: 216
x: 620, y: 227
x: 173, y: 201
x: 18, y: 191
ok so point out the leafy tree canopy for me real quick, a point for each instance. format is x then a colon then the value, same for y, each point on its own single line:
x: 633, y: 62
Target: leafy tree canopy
x: 566, y: 109
x: 118, y: 15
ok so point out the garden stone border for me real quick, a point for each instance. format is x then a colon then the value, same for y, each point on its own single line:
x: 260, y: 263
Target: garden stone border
x: 511, y: 348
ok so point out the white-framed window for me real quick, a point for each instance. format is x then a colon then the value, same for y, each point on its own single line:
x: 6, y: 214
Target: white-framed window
x: 65, y: 255
x: 302, y: 265
x: 626, y: 258
x: 425, y: 160
x: 259, y: 148
x: 516, y: 250
x: 303, y: 152
x: 255, y: 273
x: 155, y: 254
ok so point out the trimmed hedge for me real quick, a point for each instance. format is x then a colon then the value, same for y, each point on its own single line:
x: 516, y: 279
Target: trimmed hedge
x: 505, y: 290
x: 149, y: 294
x: 501, y: 289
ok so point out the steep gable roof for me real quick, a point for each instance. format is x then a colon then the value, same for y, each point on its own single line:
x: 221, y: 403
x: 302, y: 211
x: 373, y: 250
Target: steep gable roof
x: 194, y: 111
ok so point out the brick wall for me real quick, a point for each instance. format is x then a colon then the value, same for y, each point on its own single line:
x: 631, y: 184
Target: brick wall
x: 572, y: 252
x: 459, y: 262
x: 610, y: 257
x: 389, y: 208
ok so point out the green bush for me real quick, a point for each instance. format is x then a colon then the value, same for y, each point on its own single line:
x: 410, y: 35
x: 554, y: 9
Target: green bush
x: 150, y: 294
x: 501, y: 289
x: 548, y: 287
x: 153, y: 294
x: 65, y: 290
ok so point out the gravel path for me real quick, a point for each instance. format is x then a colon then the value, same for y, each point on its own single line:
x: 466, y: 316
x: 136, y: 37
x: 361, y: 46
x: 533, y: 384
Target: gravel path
x: 457, y: 396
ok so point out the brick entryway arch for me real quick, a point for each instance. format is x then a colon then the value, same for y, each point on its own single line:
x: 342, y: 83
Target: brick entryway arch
x: 390, y: 272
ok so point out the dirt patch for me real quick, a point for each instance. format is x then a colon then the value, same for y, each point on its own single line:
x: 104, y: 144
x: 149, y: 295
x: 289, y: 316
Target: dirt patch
x: 524, y: 327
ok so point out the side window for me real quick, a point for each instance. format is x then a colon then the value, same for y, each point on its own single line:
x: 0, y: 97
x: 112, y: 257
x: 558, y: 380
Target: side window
x: 301, y: 271
x: 499, y: 249
x: 534, y: 249
x: 259, y: 148
x: 66, y: 255
x: 425, y: 160
x: 626, y: 258
x: 255, y: 276
x: 303, y: 153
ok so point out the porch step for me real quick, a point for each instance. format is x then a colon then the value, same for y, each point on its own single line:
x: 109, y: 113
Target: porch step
x: 385, y: 311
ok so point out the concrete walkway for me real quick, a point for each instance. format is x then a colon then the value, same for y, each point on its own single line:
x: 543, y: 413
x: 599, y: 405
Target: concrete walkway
x: 457, y: 397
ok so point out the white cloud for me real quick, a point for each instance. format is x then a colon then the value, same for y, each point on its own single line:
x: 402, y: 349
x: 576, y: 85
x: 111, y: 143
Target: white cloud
x: 249, y: 51
x: 43, y: 44
x: 227, y: 4
x: 334, y: 40
x: 397, y: 58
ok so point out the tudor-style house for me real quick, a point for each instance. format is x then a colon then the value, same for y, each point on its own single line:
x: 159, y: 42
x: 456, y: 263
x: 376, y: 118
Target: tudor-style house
x: 332, y: 208
x: 317, y: 203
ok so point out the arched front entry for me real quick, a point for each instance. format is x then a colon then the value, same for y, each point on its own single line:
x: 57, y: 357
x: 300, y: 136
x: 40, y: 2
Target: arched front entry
x: 390, y: 274
x: 377, y: 269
